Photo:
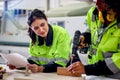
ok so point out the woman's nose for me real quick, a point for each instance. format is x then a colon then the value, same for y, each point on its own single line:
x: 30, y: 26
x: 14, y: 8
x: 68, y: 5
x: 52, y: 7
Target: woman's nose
x: 40, y: 28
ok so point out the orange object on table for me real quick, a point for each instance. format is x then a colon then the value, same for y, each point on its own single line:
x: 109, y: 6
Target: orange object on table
x: 63, y: 71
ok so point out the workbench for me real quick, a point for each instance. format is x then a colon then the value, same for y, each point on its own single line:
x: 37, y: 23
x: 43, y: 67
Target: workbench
x: 20, y: 75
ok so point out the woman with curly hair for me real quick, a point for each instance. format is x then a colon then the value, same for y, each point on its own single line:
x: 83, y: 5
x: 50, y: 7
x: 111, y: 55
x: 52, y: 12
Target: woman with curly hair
x: 104, y: 29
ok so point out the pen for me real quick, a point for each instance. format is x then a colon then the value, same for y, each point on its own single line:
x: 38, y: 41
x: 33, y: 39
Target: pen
x: 72, y: 57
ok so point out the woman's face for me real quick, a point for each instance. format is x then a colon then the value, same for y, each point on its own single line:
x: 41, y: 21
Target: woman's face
x: 40, y: 27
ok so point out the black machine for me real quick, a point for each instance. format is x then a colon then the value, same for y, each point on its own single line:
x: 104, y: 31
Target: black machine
x: 76, y: 42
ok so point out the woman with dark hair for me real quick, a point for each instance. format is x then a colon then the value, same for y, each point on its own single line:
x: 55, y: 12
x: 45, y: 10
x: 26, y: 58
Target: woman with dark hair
x: 104, y: 29
x: 50, y: 45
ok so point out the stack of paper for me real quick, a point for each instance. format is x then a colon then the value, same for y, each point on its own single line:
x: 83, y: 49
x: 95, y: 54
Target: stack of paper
x: 15, y: 59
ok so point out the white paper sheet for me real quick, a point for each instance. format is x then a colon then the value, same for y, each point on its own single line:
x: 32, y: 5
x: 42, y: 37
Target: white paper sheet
x: 15, y: 59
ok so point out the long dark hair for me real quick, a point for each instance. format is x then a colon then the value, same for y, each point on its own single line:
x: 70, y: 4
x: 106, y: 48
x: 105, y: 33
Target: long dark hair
x: 35, y: 14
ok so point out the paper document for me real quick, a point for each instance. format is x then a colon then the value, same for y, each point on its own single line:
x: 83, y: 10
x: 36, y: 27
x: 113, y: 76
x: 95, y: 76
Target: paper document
x: 15, y: 59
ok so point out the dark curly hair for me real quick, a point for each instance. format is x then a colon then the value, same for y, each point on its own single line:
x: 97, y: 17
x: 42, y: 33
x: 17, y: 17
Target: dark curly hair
x: 35, y: 14
x: 110, y: 4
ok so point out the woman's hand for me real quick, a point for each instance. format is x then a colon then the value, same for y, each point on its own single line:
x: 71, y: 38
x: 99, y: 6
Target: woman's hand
x: 82, y: 39
x: 11, y: 66
x: 76, y: 68
x: 35, y: 68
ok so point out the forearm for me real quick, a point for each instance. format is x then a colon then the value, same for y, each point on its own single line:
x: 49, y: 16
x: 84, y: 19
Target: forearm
x: 50, y: 67
x: 99, y: 68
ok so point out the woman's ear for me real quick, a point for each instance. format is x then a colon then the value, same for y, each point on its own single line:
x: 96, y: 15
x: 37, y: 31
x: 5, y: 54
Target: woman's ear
x: 111, y: 15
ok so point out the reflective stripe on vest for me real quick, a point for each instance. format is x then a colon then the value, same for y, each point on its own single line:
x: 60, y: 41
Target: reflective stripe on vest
x: 111, y: 65
x: 93, y: 51
x: 107, y: 54
x: 48, y: 60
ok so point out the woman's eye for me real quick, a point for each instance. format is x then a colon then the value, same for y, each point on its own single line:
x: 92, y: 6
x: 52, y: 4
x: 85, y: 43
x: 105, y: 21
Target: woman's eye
x: 35, y: 28
x: 42, y: 25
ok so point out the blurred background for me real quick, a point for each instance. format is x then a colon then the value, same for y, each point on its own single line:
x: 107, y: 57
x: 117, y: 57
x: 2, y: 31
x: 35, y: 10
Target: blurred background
x: 69, y: 14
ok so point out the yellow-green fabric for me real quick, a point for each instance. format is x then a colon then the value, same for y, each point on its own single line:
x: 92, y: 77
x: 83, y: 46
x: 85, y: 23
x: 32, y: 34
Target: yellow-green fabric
x: 58, y: 52
x: 108, y: 45
x: 93, y: 26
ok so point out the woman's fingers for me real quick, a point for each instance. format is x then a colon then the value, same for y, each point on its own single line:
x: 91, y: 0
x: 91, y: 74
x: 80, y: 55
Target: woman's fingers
x: 11, y: 66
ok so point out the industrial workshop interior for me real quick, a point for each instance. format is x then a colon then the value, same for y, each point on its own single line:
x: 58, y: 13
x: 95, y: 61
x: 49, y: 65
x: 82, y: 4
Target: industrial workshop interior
x: 16, y: 44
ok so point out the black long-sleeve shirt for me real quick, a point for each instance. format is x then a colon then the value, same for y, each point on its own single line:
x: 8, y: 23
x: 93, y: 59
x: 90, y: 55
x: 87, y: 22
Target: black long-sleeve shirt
x: 99, y: 68
x: 50, y: 67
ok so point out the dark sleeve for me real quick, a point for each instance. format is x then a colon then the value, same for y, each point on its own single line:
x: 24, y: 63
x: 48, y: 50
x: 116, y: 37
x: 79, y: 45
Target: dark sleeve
x: 99, y: 68
x: 87, y: 36
x: 31, y: 61
x: 51, y: 67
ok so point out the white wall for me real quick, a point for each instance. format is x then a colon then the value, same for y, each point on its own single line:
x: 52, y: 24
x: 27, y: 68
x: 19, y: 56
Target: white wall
x: 26, y: 4
x: 54, y: 3
x: 71, y: 24
x: 42, y: 4
x: 1, y: 5
x: 14, y: 49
